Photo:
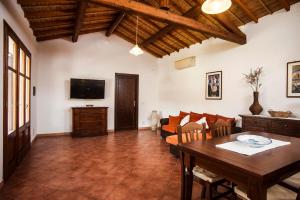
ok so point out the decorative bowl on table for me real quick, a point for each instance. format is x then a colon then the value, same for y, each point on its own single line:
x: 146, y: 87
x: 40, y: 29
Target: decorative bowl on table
x: 282, y: 114
x: 255, y: 141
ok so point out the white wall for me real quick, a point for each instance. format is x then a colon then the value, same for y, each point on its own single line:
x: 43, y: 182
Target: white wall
x: 94, y: 56
x: 272, y: 43
x: 13, y: 14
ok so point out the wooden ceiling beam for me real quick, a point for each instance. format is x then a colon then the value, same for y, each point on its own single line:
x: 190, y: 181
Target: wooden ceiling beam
x: 229, y: 25
x: 187, y: 32
x: 169, y: 17
x: 49, y: 28
x: 51, y: 19
x: 158, y: 35
x: 169, y: 28
x: 265, y: 6
x: 191, y: 35
x: 146, y: 31
x: 236, y: 17
x: 177, y: 40
x: 248, y: 12
x: 80, y: 15
x: 285, y: 4
x: 151, y: 24
x: 155, y: 3
x: 48, y: 8
x: 116, y: 22
x: 45, y: 3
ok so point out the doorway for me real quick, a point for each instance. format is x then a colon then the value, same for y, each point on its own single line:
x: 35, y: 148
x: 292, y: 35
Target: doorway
x: 126, y: 101
x: 16, y: 100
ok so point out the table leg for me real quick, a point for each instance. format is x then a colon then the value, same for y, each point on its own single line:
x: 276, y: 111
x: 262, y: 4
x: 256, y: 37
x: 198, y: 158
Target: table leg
x: 183, y: 178
x: 256, y: 190
x: 189, y: 164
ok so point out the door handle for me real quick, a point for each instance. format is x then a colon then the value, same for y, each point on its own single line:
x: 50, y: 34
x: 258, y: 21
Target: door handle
x: 134, y: 103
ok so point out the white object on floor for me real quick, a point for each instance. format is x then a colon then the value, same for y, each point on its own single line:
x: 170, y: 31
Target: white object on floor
x: 245, y: 149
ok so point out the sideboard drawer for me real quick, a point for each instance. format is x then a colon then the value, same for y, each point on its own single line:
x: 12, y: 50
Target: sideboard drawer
x: 263, y: 123
x: 288, y: 126
x: 91, y: 116
x: 280, y: 127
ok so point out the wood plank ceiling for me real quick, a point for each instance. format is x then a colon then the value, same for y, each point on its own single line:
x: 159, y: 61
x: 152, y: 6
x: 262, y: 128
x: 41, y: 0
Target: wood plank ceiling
x: 160, y: 32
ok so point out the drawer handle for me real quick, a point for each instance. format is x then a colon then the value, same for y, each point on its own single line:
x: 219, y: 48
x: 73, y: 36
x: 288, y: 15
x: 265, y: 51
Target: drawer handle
x: 285, y: 125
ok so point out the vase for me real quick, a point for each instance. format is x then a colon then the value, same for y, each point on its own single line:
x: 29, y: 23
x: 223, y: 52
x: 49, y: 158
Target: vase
x: 255, y: 108
x: 154, y: 120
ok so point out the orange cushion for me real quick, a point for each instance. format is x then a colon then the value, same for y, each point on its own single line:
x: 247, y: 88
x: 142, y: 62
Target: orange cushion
x: 183, y: 114
x: 231, y: 120
x: 211, y: 119
x: 174, y: 120
x: 195, y: 117
x: 169, y: 128
x: 174, y: 138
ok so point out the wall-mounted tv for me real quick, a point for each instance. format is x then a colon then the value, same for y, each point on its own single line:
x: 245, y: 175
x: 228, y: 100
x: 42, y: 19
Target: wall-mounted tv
x: 87, y: 89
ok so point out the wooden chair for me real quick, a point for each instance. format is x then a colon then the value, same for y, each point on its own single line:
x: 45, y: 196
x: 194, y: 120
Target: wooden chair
x: 221, y: 128
x: 208, y: 180
x: 276, y: 192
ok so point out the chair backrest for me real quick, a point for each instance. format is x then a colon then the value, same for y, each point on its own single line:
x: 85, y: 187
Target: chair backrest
x: 221, y: 128
x: 191, y: 132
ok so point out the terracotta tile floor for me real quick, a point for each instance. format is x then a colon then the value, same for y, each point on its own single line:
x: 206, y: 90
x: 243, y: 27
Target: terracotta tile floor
x: 127, y: 165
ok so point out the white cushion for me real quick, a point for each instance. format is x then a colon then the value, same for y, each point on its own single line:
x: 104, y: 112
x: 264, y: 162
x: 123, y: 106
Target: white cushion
x: 205, y: 175
x: 203, y: 121
x: 185, y: 120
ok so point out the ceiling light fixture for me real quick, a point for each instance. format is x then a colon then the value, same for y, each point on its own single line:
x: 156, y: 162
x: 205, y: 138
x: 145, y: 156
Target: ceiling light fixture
x: 136, y: 50
x: 216, y: 6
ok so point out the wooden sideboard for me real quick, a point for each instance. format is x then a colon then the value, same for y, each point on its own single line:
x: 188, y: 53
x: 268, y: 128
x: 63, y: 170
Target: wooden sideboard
x: 282, y: 126
x: 89, y: 121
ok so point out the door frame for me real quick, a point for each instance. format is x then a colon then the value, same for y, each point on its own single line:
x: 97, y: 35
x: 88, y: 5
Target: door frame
x: 136, y: 77
x: 9, y: 32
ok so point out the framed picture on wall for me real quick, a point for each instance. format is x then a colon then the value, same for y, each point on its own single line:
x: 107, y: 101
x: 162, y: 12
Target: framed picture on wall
x: 293, y: 80
x: 213, y: 85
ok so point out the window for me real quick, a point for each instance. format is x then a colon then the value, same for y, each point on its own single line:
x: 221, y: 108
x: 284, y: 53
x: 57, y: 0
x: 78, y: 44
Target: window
x: 18, y: 65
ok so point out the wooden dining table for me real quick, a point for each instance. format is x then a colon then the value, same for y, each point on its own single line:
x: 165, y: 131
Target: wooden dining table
x: 256, y: 173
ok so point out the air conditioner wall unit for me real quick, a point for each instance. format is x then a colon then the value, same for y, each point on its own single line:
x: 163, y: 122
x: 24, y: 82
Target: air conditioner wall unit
x: 185, y: 63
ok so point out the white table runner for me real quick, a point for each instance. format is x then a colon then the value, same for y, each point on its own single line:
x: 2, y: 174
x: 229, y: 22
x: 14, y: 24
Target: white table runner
x: 245, y: 149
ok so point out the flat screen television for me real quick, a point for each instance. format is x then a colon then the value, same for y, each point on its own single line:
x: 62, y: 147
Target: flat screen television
x: 87, y: 89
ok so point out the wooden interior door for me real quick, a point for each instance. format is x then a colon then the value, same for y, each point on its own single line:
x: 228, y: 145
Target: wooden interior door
x: 16, y: 98
x: 126, y: 102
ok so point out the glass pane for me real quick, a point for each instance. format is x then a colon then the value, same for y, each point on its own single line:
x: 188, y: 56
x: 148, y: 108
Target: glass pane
x: 27, y: 66
x: 21, y: 101
x: 22, y: 61
x: 12, y: 101
x: 27, y: 109
x: 12, y: 53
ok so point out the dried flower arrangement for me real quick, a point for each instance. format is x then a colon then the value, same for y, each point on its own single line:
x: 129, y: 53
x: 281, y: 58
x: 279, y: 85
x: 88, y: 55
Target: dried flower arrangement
x: 253, y: 78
